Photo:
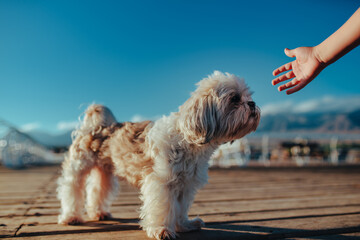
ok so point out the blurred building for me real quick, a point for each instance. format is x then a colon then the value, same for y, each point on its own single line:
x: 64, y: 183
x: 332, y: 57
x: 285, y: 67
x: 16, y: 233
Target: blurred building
x: 231, y: 154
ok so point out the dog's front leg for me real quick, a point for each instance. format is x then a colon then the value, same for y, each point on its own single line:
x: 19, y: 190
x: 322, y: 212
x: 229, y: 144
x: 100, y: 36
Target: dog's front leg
x: 186, y: 198
x: 160, y: 207
x: 183, y: 223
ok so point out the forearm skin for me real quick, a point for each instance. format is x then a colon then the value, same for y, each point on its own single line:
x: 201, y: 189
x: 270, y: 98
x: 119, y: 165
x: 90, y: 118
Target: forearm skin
x: 346, y: 38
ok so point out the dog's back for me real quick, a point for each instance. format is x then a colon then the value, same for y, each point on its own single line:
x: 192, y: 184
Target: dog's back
x: 117, y: 148
x: 128, y: 150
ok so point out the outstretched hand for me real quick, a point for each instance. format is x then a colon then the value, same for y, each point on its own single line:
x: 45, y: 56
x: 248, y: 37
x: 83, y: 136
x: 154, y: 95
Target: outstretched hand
x: 303, y: 70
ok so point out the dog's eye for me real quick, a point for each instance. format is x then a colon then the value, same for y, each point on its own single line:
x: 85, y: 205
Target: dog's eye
x: 235, y: 99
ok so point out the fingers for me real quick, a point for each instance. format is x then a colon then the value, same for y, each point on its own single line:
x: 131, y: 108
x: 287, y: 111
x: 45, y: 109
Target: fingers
x: 290, y: 84
x: 283, y: 77
x: 283, y: 68
x: 290, y: 53
x: 295, y: 86
x: 298, y: 87
x: 288, y: 66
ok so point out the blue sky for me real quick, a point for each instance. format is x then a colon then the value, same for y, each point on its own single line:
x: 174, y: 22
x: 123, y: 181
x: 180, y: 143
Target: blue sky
x: 143, y: 58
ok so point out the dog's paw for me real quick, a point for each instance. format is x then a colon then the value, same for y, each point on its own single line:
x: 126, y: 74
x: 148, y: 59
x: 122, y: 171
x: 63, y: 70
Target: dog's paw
x: 160, y: 233
x: 101, y: 216
x: 70, y: 220
x: 191, y: 225
x: 105, y: 216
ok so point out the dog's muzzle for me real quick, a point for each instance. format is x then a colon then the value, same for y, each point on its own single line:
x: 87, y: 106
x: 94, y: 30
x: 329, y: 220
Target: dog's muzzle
x: 252, y: 105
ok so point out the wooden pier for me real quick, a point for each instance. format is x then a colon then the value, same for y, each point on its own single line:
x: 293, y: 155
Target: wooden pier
x: 250, y: 203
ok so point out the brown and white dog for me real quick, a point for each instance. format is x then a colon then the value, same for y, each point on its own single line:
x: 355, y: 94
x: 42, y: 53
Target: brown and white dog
x: 167, y: 159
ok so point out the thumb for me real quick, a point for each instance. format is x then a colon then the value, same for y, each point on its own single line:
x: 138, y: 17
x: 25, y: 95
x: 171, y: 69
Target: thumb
x: 290, y: 53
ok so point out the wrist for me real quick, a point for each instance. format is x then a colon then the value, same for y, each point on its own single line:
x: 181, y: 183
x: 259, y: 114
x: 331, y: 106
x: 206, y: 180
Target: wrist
x: 319, y: 52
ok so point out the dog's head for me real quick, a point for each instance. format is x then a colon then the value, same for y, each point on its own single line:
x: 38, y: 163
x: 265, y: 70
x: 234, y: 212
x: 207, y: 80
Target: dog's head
x: 220, y: 110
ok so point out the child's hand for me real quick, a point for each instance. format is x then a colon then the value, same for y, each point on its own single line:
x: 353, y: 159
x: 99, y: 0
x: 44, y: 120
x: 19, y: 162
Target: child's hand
x: 303, y: 70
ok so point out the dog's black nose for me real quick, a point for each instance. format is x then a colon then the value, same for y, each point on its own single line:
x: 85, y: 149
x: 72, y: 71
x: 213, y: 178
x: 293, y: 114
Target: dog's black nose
x: 251, y: 105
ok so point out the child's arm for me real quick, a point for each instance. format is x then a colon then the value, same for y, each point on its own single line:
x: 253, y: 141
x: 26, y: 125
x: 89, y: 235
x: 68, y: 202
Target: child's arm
x: 310, y: 61
x: 346, y: 38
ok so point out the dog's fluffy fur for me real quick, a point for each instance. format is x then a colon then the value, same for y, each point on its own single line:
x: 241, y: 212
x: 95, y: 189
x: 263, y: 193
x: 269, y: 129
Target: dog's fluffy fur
x: 167, y: 159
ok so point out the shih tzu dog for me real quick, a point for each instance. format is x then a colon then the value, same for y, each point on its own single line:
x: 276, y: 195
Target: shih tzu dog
x: 166, y: 159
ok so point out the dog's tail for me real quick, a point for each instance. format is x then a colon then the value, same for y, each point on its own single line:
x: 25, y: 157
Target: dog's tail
x: 95, y: 118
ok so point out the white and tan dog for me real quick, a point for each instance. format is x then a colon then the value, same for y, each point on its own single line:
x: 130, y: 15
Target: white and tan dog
x: 167, y: 159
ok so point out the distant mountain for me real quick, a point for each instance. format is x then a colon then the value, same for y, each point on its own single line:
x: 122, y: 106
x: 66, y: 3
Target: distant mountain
x: 51, y: 140
x: 321, y: 122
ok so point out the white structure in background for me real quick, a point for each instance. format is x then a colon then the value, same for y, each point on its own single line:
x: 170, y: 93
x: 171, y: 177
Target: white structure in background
x: 334, y: 153
x: 232, y: 154
x: 264, y: 158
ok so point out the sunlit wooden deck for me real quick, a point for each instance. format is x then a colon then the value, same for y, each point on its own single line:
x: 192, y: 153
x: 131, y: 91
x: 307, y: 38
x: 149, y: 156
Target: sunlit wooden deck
x: 257, y: 203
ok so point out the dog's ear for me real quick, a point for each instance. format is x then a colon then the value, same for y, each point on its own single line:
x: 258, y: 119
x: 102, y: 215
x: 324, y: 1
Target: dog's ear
x: 198, y: 119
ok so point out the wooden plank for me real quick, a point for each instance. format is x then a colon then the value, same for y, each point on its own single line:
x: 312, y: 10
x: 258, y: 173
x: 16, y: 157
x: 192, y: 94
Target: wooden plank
x: 270, y: 229
x: 240, y: 203
x: 49, y: 222
x: 8, y: 227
